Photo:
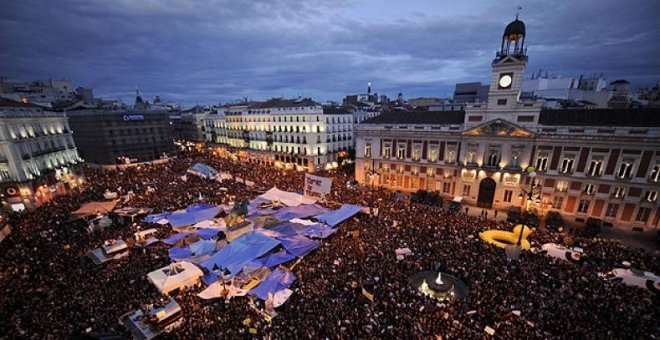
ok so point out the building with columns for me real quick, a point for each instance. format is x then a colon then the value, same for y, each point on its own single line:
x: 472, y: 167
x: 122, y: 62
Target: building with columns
x: 297, y: 134
x: 598, y: 163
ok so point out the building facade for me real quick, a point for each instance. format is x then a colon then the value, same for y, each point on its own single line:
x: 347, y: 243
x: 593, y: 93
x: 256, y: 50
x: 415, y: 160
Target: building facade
x: 117, y: 136
x: 300, y: 134
x: 38, y: 156
x: 598, y: 163
x: 188, y: 125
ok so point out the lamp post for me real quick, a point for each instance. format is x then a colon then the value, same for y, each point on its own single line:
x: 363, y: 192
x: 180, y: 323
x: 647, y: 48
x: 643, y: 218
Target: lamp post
x: 531, y: 172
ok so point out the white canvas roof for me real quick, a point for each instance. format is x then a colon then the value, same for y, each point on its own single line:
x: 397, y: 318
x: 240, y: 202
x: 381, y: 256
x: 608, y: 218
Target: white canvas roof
x: 290, y: 199
x: 175, y: 276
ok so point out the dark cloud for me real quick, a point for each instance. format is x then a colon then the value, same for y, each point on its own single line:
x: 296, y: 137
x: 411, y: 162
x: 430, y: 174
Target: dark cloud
x: 210, y: 51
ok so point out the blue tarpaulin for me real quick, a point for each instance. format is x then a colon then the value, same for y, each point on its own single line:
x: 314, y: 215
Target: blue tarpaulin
x: 196, y: 249
x: 207, y: 233
x: 178, y: 254
x: 288, y: 228
x: 204, y: 170
x: 298, y: 245
x: 273, y: 283
x: 301, y: 211
x: 156, y: 217
x: 180, y: 219
x: 319, y: 231
x: 334, y: 217
x: 198, y: 207
x: 241, y: 251
x: 175, y: 238
x: 280, y: 257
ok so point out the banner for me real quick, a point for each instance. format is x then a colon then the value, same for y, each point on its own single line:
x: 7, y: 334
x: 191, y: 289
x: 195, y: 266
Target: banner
x: 317, y: 187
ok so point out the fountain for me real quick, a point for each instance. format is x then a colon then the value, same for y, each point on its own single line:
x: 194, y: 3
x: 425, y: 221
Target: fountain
x: 439, y: 286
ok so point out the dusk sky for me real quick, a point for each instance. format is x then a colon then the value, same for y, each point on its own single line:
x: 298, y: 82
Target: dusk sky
x: 217, y: 51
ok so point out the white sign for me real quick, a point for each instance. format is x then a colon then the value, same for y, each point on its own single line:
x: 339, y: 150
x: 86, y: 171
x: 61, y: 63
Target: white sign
x: 316, y: 186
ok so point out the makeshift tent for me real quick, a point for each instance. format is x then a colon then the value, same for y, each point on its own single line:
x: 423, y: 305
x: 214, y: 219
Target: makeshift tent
x: 203, y: 170
x: 277, y: 280
x: 277, y: 258
x: 93, y: 208
x: 298, y: 245
x: 305, y: 222
x: 202, y: 247
x: 175, y: 276
x: 318, y: 231
x: 334, y: 217
x: 156, y: 217
x: 192, y: 250
x: 301, y: 211
x: 218, y: 224
x: 180, y: 219
x: 241, y: 251
x: 288, y: 228
x: 176, y: 238
x: 290, y: 199
x: 207, y: 233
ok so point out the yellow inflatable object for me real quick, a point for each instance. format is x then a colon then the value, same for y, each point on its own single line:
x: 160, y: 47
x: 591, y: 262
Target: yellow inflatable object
x: 503, y: 238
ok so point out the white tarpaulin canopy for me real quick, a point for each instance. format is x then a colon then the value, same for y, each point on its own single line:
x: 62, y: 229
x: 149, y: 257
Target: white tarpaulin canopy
x: 215, y: 291
x: 290, y: 199
x: 175, y: 276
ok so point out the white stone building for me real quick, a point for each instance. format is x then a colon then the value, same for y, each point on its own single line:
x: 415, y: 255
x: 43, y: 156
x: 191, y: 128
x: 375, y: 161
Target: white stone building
x: 300, y: 134
x: 38, y: 156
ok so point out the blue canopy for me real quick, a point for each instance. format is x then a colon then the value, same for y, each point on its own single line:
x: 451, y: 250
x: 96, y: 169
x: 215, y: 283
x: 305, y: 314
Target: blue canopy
x: 298, y: 245
x: 176, y: 238
x: 205, y: 170
x: 156, y: 217
x: 334, y: 217
x: 319, y: 231
x: 288, y: 228
x: 273, y: 283
x: 207, y: 233
x: 178, y: 254
x: 301, y: 211
x: 180, y: 219
x: 280, y: 257
x: 241, y: 251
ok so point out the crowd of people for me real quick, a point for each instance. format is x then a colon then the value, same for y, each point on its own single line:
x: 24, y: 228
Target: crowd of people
x: 50, y: 289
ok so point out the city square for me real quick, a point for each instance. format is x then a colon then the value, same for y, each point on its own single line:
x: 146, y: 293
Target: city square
x: 522, y: 205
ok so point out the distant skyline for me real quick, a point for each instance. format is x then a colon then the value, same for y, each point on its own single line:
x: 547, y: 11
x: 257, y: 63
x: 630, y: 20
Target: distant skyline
x: 205, y: 52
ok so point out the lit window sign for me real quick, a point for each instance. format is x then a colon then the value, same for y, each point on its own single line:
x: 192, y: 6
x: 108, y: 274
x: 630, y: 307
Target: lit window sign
x: 132, y: 118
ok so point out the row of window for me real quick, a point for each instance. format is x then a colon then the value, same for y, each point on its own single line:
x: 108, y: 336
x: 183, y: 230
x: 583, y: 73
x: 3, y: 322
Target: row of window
x: 280, y: 119
x: 492, y: 159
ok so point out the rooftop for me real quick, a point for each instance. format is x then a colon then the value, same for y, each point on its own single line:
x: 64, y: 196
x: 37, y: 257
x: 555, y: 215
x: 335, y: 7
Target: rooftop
x: 601, y: 117
x: 11, y: 103
x: 280, y: 102
x: 419, y: 117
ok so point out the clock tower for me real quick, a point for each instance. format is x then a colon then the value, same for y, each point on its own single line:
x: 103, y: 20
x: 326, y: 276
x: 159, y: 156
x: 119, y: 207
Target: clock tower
x: 508, y: 69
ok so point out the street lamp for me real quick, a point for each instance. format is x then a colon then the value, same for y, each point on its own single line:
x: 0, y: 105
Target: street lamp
x: 531, y: 172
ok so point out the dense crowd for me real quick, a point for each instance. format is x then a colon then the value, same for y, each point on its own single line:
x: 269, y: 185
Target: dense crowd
x: 50, y: 289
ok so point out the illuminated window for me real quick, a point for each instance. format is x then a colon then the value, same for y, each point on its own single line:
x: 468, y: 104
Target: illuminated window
x: 562, y: 186
x: 433, y: 155
x: 567, y: 164
x: 611, y: 210
x: 595, y: 167
x: 619, y: 192
x: 367, y: 150
x: 451, y: 156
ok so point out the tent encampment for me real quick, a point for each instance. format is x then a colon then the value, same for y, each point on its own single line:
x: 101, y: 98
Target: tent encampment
x: 241, y: 251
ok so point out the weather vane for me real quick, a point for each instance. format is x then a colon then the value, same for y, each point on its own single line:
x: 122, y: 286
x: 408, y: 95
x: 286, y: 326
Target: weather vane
x: 518, y: 11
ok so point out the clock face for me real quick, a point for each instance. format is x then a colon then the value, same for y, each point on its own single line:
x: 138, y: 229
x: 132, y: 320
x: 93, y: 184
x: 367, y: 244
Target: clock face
x: 505, y: 81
